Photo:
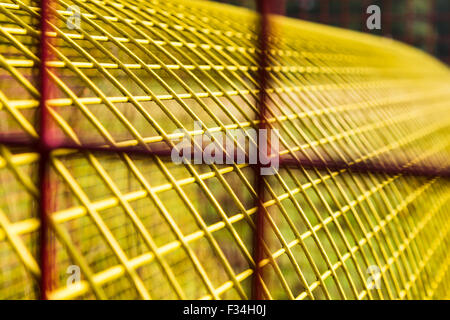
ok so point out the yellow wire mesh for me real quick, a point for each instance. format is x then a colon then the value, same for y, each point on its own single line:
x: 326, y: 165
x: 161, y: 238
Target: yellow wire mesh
x: 142, y: 227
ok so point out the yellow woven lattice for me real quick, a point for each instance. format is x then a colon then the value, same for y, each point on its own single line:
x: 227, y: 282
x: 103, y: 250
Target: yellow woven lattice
x: 139, y: 226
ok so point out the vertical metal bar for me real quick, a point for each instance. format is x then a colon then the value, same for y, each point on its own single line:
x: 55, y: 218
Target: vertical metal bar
x: 44, y: 148
x: 263, y: 7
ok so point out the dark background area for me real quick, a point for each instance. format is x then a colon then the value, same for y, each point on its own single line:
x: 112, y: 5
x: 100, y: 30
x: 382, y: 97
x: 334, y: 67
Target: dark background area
x: 422, y: 23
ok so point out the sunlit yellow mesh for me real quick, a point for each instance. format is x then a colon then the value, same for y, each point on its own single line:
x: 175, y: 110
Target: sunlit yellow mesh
x: 139, y: 226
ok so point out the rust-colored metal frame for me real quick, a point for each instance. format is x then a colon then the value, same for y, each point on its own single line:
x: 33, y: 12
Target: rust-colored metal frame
x: 46, y: 145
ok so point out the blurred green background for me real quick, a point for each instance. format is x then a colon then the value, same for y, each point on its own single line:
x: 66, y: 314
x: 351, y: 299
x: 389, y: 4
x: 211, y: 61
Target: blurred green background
x: 422, y: 23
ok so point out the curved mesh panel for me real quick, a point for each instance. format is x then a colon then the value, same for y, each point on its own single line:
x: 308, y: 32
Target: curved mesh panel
x: 357, y: 207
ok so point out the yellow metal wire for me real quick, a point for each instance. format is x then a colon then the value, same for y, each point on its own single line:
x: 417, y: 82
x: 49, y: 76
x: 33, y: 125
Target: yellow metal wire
x: 141, y: 227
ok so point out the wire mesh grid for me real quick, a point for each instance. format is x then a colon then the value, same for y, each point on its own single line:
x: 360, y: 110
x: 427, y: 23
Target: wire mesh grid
x: 363, y: 179
x: 423, y: 24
